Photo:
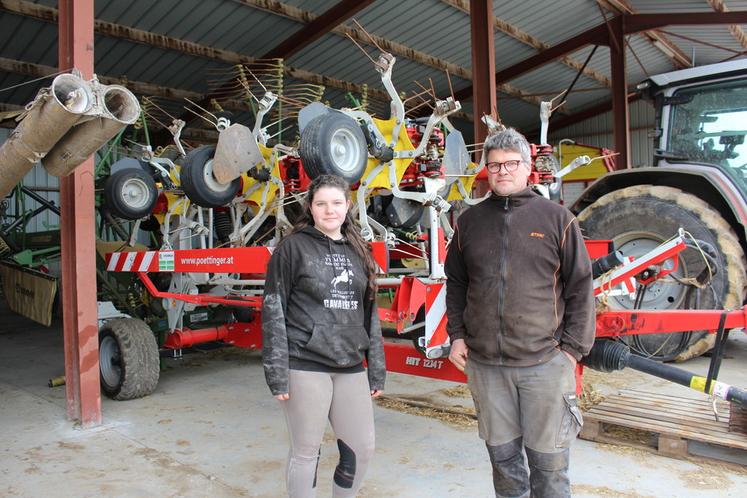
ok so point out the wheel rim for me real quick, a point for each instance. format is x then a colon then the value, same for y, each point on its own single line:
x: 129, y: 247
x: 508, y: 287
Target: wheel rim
x: 135, y: 193
x: 110, y: 359
x: 210, y: 181
x: 345, y: 152
x: 660, y: 295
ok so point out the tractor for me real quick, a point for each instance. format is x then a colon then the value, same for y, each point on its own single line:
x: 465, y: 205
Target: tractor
x: 698, y: 183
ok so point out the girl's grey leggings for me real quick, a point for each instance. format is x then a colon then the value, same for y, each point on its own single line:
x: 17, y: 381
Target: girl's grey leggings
x: 345, y: 400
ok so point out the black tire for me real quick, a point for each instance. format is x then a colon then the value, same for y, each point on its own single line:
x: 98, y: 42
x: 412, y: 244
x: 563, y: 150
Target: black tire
x: 198, y: 182
x: 130, y: 193
x: 128, y: 359
x: 640, y: 217
x: 333, y: 143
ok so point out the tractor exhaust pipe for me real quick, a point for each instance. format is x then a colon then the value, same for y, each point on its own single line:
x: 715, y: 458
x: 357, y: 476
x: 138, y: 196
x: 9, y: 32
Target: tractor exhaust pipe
x: 118, y: 107
x: 607, y: 355
x: 47, y: 118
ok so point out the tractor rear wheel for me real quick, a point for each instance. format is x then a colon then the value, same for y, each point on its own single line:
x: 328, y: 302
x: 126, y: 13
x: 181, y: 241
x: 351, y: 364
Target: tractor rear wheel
x: 128, y: 359
x: 641, y: 217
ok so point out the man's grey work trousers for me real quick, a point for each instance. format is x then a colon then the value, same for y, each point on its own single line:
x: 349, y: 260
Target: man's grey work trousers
x: 528, y: 410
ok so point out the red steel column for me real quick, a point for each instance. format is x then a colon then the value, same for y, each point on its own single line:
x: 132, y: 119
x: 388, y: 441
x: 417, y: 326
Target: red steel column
x: 620, y: 114
x: 484, y: 99
x: 77, y: 222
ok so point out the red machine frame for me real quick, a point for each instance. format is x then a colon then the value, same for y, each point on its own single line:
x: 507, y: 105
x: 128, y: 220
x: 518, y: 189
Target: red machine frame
x: 412, y: 295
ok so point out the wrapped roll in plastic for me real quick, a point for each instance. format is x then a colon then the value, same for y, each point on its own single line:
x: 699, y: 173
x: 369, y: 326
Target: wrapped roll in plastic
x: 119, y: 108
x: 50, y: 116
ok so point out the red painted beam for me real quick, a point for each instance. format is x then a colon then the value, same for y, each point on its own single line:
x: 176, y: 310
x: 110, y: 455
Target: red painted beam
x: 483, y: 65
x: 77, y: 222
x: 620, y: 113
x: 317, y: 28
x: 597, y: 36
x: 643, y: 22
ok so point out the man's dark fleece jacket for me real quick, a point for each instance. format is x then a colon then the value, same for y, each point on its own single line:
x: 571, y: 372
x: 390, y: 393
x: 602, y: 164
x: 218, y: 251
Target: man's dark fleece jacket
x: 519, y: 282
x: 318, y: 314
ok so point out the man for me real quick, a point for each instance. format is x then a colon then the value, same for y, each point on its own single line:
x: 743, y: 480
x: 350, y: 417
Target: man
x: 520, y: 307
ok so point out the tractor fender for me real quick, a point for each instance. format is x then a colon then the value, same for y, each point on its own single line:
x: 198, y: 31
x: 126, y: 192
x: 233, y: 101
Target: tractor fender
x: 707, y: 183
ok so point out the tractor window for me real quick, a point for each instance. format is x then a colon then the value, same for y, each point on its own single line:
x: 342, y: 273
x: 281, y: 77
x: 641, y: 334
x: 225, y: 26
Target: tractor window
x: 709, y: 123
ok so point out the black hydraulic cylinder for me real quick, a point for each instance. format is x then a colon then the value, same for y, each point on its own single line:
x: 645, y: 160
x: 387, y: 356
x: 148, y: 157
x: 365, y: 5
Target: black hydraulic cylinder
x: 602, y: 265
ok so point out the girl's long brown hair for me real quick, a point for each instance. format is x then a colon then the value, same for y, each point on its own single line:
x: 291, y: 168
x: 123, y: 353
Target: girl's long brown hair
x: 349, y: 227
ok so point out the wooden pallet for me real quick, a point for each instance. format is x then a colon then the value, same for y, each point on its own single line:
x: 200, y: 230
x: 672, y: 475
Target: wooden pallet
x: 671, y: 423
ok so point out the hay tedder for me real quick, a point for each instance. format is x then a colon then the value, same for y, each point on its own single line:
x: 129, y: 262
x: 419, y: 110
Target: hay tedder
x: 226, y: 206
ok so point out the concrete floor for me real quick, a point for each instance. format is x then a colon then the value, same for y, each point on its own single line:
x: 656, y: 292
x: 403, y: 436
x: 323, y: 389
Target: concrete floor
x: 212, y: 429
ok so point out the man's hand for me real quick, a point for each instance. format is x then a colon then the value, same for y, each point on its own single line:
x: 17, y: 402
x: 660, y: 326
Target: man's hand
x: 458, y: 354
x: 282, y: 397
x: 375, y: 393
x: 570, y: 357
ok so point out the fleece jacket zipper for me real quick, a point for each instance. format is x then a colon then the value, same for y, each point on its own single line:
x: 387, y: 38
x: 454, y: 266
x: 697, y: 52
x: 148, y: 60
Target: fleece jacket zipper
x: 502, y: 281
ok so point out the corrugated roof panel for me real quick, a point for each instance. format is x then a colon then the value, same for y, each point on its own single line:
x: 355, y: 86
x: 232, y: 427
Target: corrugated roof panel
x: 429, y: 26
x: 230, y: 20
x: 318, y: 7
x: 713, y: 35
x: 550, y: 22
x: 651, y: 58
x: 21, y: 36
x: 151, y: 16
x: 509, y: 51
x: 263, y: 34
x: 600, y: 62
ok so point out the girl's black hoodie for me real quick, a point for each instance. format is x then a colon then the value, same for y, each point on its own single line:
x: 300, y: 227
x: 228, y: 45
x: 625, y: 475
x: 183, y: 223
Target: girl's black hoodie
x: 317, y: 312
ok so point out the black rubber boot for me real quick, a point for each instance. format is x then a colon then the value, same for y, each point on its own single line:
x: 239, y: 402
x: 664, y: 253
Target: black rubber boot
x: 510, y: 478
x: 548, y: 473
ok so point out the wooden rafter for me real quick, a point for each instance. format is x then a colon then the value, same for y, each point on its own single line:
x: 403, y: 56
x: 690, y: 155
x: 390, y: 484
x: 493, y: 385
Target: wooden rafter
x: 735, y: 30
x: 658, y: 40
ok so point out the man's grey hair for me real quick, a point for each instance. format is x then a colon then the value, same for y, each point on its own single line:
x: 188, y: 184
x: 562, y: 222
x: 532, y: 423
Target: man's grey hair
x: 508, y: 140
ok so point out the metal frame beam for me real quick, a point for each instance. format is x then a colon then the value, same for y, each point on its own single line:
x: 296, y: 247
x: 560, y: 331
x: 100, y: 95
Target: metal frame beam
x: 620, y: 113
x: 658, y: 40
x: 521, y: 36
x: 317, y: 28
x: 77, y: 221
x: 483, y: 65
x: 599, y: 35
x: 644, y: 22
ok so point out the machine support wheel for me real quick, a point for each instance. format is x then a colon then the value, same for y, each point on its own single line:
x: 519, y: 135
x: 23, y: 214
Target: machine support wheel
x: 641, y: 217
x: 128, y: 359
x: 130, y: 193
x: 198, y: 182
x: 333, y: 143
